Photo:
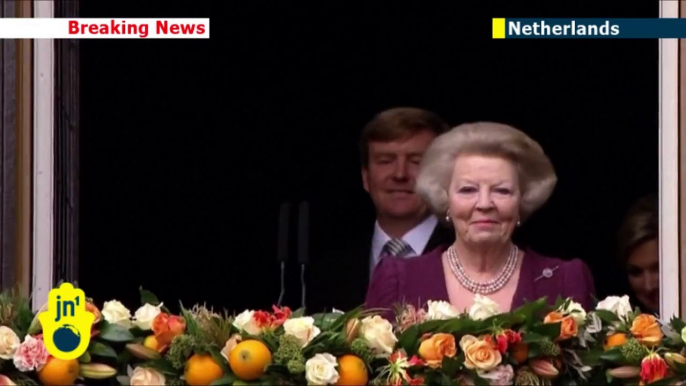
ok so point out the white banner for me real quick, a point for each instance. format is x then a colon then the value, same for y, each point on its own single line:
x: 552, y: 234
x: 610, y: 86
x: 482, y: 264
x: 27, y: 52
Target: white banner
x: 50, y: 28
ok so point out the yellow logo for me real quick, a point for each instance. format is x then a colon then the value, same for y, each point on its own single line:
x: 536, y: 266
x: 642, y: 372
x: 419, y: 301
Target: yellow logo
x: 66, y: 324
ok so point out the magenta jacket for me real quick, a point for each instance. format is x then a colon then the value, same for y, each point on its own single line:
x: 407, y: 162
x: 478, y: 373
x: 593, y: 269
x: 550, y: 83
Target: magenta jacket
x: 420, y: 279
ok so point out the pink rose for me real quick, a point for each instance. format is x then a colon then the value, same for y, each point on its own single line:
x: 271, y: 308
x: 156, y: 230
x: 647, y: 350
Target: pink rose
x: 31, y: 355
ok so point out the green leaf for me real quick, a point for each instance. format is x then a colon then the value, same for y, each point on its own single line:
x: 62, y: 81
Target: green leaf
x: 148, y: 297
x: 529, y: 310
x: 550, y: 330
x: 408, y: 340
x: 326, y: 321
x: 532, y: 337
x: 114, y: 333
x: 663, y: 382
x: 220, y: 360
x: 299, y: 313
x: 613, y: 355
x: 277, y: 369
x: 163, y: 366
x: 607, y: 316
x: 101, y: 349
x: 680, y: 368
x: 138, y: 333
x: 450, y: 366
x: 677, y: 324
x: 85, y: 358
x: 590, y: 357
x: 192, y: 326
x: 227, y: 379
x: 123, y: 380
x: 342, y: 320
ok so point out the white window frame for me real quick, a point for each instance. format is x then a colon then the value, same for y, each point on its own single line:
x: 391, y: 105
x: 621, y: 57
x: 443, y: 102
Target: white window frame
x: 43, y: 160
x: 669, y: 169
x: 43, y: 194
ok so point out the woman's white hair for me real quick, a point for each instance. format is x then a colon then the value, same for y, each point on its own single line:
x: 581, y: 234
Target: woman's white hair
x: 537, y: 177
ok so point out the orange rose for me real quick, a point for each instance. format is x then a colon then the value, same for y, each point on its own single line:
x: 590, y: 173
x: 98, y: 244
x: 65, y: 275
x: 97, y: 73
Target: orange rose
x: 568, y: 326
x: 433, y: 349
x: 90, y: 307
x: 479, y: 354
x: 646, y: 330
x: 167, y: 327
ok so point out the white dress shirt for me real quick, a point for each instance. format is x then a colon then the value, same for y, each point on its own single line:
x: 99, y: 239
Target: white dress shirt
x: 417, y: 238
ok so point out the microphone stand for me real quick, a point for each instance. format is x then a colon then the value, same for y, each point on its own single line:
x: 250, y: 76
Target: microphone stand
x: 303, y: 246
x: 282, y: 245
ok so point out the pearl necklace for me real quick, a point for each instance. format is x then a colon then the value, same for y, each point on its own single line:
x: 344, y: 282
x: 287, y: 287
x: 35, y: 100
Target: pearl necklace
x: 487, y: 287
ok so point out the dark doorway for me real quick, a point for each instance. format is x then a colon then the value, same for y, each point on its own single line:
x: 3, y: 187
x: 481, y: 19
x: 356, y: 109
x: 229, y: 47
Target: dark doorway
x: 189, y: 146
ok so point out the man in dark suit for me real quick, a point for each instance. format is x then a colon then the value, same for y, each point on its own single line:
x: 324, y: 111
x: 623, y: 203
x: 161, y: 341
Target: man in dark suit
x: 391, y: 147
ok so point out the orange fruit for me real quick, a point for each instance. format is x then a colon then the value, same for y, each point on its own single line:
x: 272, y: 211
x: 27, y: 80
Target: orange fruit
x: 59, y: 372
x: 202, y: 370
x: 614, y: 340
x: 249, y: 359
x: 352, y: 371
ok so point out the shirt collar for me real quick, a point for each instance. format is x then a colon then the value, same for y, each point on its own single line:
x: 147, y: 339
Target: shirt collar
x: 418, y: 237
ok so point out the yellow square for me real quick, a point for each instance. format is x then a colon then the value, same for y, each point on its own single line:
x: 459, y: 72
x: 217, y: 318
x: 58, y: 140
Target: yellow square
x: 498, y: 28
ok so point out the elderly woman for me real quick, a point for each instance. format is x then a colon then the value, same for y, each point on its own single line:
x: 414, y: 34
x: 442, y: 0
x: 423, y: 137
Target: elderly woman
x: 485, y: 179
x: 638, y: 253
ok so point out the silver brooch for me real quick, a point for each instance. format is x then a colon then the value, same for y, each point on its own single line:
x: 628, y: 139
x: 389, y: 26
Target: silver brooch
x: 547, y: 273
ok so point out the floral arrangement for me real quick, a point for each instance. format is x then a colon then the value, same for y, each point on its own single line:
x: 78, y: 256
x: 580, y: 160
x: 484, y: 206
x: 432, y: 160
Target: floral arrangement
x: 536, y: 344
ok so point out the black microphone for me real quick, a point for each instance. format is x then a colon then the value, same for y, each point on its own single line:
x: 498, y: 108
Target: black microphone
x: 282, y: 245
x: 303, y: 244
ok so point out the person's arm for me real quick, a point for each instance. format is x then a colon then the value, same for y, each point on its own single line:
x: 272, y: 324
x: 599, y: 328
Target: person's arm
x: 384, y: 288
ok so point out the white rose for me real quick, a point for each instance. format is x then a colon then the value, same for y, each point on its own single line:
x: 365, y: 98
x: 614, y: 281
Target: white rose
x: 483, y: 308
x: 303, y: 329
x: 619, y: 306
x: 378, y: 332
x: 576, y: 311
x: 144, y: 376
x: 321, y: 370
x: 441, y: 310
x: 145, y: 315
x: 9, y: 342
x: 115, y: 313
x: 246, y: 322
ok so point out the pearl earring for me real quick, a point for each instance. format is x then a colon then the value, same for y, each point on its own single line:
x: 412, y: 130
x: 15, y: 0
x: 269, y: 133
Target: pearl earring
x: 447, y: 216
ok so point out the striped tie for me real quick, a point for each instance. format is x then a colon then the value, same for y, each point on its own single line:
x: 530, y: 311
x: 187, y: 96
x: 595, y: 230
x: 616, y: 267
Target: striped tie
x: 397, y: 248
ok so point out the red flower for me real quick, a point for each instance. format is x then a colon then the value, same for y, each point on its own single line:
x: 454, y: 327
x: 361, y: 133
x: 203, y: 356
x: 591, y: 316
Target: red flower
x: 280, y: 315
x: 513, y: 336
x: 653, y: 368
x: 502, y: 343
x: 264, y: 319
x: 504, y: 339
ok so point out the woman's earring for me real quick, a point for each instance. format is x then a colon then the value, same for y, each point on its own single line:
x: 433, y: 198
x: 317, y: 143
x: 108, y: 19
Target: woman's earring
x: 447, y: 216
x: 519, y: 223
